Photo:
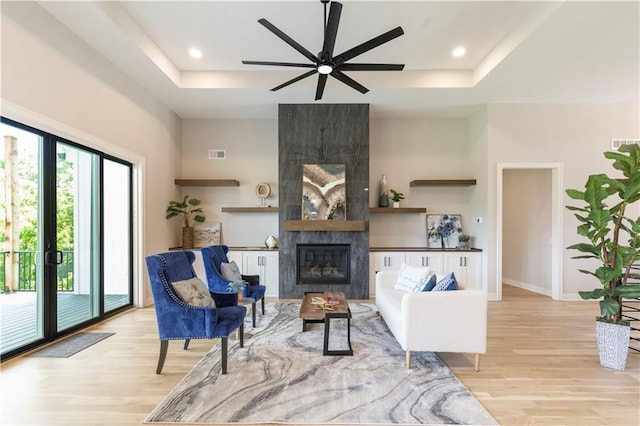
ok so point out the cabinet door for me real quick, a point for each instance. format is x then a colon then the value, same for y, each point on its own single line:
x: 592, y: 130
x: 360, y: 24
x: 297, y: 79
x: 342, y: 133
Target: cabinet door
x: 265, y: 264
x: 467, y: 268
x: 270, y: 275
x: 434, y: 260
x: 236, y: 256
x: 383, y: 261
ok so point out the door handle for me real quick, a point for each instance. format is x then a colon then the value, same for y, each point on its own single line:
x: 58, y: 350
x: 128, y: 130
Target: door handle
x: 53, y: 257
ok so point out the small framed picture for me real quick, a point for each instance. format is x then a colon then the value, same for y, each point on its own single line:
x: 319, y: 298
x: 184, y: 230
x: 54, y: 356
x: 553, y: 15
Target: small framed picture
x: 443, y: 230
x: 206, y: 234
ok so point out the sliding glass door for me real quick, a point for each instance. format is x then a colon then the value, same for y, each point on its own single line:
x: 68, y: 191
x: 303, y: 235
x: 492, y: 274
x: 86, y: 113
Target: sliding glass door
x: 58, y: 272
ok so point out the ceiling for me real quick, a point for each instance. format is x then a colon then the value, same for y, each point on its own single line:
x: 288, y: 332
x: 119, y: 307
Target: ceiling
x: 517, y: 52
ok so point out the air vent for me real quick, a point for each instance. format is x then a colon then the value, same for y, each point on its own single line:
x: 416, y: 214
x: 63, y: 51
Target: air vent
x: 617, y: 143
x: 217, y: 154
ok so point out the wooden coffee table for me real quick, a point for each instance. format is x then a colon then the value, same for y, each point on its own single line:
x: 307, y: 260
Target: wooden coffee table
x: 337, y: 307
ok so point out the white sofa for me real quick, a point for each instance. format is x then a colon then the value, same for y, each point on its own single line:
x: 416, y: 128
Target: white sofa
x: 434, y: 321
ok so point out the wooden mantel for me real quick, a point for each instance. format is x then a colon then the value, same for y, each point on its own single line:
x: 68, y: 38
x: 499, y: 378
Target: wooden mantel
x: 324, y: 225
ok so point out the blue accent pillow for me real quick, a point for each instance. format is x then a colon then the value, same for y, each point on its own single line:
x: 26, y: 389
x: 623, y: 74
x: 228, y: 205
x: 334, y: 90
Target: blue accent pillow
x: 447, y: 283
x: 431, y: 283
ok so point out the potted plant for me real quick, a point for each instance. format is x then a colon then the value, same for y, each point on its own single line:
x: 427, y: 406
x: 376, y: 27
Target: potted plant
x: 613, y: 238
x: 396, y: 197
x: 237, y: 287
x: 187, y: 209
x: 463, y: 240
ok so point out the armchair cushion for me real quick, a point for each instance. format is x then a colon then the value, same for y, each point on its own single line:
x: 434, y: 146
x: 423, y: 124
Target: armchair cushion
x: 193, y: 292
x: 230, y: 271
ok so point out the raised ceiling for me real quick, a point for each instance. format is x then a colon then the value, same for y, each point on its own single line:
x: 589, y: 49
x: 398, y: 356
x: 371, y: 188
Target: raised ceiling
x: 517, y: 52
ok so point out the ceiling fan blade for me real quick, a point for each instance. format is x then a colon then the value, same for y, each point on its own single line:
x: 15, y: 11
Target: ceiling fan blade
x: 291, y: 42
x: 279, y: 64
x: 348, y: 81
x: 368, y: 45
x: 331, y: 30
x: 371, y: 67
x: 322, y: 81
x: 293, y: 80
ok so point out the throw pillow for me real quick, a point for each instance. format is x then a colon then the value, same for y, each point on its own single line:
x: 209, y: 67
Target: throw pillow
x: 230, y: 271
x: 431, y: 283
x: 411, y: 278
x: 193, y: 292
x: 449, y: 282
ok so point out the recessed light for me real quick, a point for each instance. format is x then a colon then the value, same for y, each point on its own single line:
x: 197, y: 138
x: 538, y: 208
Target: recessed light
x: 195, y: 53
x: 459, y: 52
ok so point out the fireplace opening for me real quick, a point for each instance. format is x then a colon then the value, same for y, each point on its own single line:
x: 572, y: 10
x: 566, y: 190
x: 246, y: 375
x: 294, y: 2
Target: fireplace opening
x: 323, y: 263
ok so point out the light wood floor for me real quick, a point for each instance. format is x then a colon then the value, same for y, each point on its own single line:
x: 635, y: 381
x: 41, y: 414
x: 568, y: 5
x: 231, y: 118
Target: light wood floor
x: 541, y: 368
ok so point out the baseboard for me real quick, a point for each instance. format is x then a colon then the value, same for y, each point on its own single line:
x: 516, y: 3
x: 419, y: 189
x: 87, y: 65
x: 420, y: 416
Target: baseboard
x: 527, y: 286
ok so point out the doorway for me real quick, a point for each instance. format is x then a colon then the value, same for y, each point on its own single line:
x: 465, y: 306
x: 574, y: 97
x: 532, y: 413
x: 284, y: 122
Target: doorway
x: 546, y: 243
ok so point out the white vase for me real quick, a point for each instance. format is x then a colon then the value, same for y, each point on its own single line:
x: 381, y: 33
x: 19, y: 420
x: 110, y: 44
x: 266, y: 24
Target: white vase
x: 396, y: 204
x: 613, y: 344
x: 271, y: 242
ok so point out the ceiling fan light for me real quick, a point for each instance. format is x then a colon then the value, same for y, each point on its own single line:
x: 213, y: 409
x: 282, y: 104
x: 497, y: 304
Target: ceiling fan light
x: 325, y: 69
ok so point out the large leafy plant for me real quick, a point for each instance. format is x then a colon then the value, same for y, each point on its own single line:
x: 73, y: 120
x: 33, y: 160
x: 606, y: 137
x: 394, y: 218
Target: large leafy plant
x: 186, y: 209
x: 604, y: 223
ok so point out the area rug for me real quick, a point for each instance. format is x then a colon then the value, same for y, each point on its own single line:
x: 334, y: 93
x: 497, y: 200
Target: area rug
x: 71, y: 345
x: 281, y: 376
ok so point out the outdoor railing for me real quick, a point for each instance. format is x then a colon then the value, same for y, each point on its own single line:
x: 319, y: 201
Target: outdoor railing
x: 27, y: 271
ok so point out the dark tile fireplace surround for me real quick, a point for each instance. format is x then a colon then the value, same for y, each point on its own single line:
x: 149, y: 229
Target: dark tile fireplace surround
x: 330, y: 260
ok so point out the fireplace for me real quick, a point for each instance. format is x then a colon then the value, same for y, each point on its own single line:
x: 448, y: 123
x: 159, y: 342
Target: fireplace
x: 323, y: 263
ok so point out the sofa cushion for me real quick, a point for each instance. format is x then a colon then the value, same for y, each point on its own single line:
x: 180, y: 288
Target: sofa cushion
x: 193, y: 292
x: 431, y: 283
x: 230, y: 271
x: 411, y: 278
x: 449, y: 282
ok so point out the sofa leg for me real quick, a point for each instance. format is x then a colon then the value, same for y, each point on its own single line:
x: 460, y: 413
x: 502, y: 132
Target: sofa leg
x: 477, y: 362
x: 408, y: 359
x: 262, y: 303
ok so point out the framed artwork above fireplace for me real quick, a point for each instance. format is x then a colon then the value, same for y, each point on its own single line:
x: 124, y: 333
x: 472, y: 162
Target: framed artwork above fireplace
x: 324, y: 192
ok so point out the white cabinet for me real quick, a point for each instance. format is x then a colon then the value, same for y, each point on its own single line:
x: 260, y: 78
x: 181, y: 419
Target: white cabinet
x: 265, y: 264
x: 432, y: 259
x: 383, y: 261
x: 467, y: 267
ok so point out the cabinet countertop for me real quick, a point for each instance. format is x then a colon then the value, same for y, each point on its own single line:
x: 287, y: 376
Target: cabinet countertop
x: 405, y: 249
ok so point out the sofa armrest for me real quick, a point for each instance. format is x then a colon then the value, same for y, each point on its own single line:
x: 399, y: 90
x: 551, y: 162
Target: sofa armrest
x: 386, y: 279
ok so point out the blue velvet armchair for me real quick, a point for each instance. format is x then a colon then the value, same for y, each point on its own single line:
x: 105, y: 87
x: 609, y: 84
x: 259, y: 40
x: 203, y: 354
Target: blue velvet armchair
x: 213, y: 257
x: 178, y: 320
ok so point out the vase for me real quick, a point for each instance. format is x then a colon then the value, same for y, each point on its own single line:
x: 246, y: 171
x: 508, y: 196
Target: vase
x: 613, y: 344
x: 396, y: 204
x: 187, y: 237
x: 271, y: 242
x: 383, y: 193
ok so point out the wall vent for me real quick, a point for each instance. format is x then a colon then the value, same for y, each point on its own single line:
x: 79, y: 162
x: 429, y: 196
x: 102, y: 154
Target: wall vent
x: 217, y: 154
x: 617, y: 143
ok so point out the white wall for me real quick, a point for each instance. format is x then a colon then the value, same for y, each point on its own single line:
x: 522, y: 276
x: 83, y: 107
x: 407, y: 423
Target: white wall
x: 412, y: 149
x: 526, y: 229
x: 251, y: 157
x: 574, y: 135
x: 53, y: 81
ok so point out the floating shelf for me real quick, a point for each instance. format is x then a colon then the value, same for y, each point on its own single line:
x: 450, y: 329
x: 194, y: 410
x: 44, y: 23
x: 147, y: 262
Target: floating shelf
x: 443, y: 182
x: 397, y: 210
x: 324, y: 225
x: 249, y: 210
x: 207, y: 182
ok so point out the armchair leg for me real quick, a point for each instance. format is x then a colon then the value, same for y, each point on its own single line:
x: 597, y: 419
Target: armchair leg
x: 164, y: 344
x: 262, y: 302
x: 225, y: 344
x: 241, y: 335
x: 186, y: 344
x: 477, y: 362
x: 253, y: 314
x: 408, y: 359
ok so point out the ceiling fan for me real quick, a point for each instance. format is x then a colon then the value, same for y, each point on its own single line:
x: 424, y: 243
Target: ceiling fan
x: 325, y: 63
